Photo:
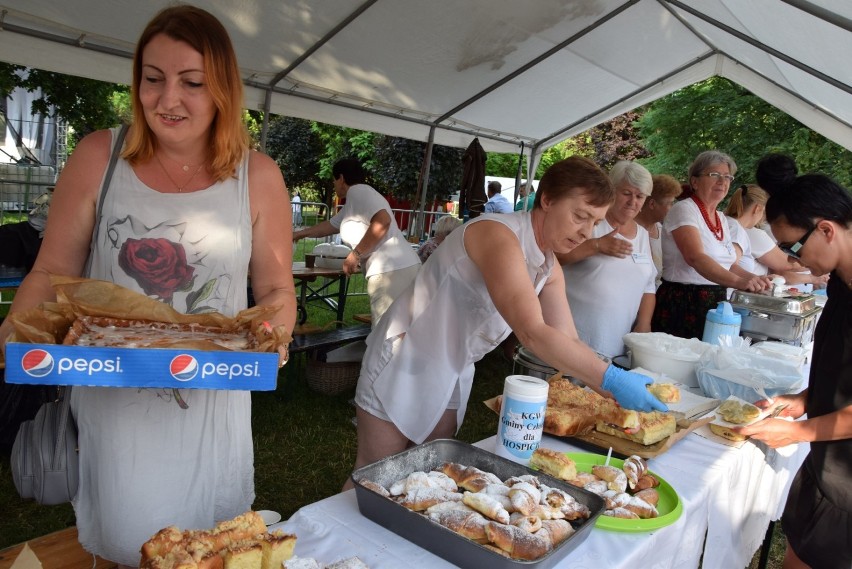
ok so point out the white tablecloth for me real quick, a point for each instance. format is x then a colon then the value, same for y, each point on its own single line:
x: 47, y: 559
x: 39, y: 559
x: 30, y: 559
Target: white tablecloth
x: 729, y: 494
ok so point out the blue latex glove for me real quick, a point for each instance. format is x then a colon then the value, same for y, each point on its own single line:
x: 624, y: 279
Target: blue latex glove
x: 628, y: 388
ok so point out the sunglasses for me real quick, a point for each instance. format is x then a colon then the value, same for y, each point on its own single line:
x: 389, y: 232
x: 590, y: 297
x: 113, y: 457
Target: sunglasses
x: 793, y: 249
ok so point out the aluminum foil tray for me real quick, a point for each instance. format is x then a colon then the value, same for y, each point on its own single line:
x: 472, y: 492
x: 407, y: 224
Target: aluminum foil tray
x: 798, y: 304
x: 437, y: 539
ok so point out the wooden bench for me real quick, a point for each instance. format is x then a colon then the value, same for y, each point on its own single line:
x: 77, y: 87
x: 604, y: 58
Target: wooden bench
x: 328, y: 339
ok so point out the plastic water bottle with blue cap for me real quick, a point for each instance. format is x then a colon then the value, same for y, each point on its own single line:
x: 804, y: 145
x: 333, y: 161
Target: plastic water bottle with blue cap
x: 721, y: 321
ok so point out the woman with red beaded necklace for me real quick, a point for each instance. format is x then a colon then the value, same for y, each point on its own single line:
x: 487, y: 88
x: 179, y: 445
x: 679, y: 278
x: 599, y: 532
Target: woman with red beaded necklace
x: 699, y: 259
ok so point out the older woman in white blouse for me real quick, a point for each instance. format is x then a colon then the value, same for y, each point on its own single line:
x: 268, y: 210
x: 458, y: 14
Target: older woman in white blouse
x: 610, y: 279
x: 699, y: 258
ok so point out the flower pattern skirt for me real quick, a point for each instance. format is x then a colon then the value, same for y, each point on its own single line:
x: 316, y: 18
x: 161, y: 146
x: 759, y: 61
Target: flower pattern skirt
x: 681, y: 309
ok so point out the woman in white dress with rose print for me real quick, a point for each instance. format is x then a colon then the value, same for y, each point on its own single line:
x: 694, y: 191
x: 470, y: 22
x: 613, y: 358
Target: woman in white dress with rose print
x: 188, y: 212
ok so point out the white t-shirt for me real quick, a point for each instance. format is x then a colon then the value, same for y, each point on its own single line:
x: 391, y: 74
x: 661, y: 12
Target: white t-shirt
x: 741, y: 238
x: 604, y: 292
x: 761, y: 244
x: 393, y: 251
x: 675, y: 268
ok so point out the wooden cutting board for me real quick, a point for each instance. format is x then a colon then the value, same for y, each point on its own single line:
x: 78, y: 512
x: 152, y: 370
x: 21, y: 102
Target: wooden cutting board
x: 57, y: 550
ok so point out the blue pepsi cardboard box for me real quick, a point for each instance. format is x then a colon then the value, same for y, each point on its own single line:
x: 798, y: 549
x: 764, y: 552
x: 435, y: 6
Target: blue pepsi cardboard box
x: 49, y: 364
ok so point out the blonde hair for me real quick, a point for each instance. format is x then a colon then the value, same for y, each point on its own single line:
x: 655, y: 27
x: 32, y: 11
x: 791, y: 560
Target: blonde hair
x: 745, y: 197
x: 634, y: 174
x: 229, y: 138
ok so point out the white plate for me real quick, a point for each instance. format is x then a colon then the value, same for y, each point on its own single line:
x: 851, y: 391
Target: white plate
x: 269, y: 517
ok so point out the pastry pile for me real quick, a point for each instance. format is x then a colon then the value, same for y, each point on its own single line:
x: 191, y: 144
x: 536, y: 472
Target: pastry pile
x: 572, y: 410
x: 99, y: 331
x: 629, y: 492
x: 520, y: 517
x: 239, y: 543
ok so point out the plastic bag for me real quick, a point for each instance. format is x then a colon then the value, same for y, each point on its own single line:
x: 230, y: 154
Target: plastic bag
x: 747, y: 374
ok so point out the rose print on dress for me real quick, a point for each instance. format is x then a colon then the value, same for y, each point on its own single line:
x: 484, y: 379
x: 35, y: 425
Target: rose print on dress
x: 163, y: 261
x: 158, y: 265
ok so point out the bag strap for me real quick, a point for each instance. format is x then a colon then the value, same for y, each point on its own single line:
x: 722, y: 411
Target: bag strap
x: 116, y: 150
x: 64, y: 394
x: 62, y: 417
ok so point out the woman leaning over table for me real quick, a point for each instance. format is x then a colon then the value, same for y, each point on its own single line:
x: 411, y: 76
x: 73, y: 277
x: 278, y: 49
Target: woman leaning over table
x: 761, y: 255
x: 367, y: 225
x: 811, y: 215
x: 494, y: 275
x: 609, y: 279
x: 186, y: 191
x: 699, y: 259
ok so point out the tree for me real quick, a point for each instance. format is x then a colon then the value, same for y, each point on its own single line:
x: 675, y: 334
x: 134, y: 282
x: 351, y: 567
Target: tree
x: 297, y: 150
x: 506, y: 165
x: 718, y: 114
x: 85, y: 104
x: 398, y: 163
x: 614, y: 140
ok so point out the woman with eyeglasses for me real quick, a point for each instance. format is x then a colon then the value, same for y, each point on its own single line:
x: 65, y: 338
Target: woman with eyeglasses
x: 699, y: 259
x: 811, y: 215
x: 760, y: 254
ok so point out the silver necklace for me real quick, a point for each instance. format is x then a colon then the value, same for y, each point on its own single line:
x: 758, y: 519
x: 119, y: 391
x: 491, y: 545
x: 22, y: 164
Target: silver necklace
x: 185, y: 168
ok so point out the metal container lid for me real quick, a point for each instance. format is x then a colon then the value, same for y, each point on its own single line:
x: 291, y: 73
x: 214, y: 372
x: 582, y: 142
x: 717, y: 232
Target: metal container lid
x: 785, y: 304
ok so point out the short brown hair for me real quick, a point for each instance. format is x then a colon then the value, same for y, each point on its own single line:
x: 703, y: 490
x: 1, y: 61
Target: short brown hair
x: 200, y: 29
x: 576, y: 175
x: 665, y: 186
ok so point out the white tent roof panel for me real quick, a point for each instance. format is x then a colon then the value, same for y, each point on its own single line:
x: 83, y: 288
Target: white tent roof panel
x: 504, y: 70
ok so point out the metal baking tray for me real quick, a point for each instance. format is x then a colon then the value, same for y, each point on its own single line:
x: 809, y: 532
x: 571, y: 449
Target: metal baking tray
x: 443, y: 542
x: 798, y: 304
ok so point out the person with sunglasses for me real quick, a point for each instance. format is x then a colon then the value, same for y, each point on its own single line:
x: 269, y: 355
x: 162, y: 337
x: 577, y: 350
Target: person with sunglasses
x: 760, y: 254
x: 811, y: 215
x: 699, y: 259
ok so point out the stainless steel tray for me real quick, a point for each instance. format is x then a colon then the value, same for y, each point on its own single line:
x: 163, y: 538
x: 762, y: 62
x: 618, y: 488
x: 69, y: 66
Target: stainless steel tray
x: 798, y: 304
x: 441, y: 541
x: 766, y: 324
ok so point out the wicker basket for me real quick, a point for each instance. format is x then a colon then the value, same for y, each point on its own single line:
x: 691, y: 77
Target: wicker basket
x: 332, y: 378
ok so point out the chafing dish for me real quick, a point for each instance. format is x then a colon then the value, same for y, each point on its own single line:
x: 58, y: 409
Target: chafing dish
x: 784, y: 304
x: 788, y: 318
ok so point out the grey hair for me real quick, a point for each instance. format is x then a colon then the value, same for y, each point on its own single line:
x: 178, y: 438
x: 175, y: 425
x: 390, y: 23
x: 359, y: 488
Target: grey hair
x: 445, y: 225
x: 634, y: 174
x: 707, y: 159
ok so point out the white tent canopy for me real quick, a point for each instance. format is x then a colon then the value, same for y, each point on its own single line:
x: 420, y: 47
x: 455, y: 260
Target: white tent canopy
x: 507, y: 71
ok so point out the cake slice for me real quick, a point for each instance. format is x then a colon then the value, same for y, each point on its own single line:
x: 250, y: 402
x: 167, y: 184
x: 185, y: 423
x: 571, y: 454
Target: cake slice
x: 246, y: 554
x: 277, y: 548
x: 554, y: 463
x: 653, y: 427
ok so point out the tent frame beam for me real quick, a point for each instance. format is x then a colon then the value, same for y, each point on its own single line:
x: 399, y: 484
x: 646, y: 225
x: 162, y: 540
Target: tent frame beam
x: 526, y: 67
x: 763, y: 47
x: 635, y: 92
x: 509, y: 138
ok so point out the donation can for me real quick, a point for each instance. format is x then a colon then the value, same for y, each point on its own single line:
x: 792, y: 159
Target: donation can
x: 521, y: 417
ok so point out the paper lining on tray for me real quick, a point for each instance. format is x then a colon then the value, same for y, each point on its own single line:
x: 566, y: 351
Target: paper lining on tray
x: 116, y: 332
